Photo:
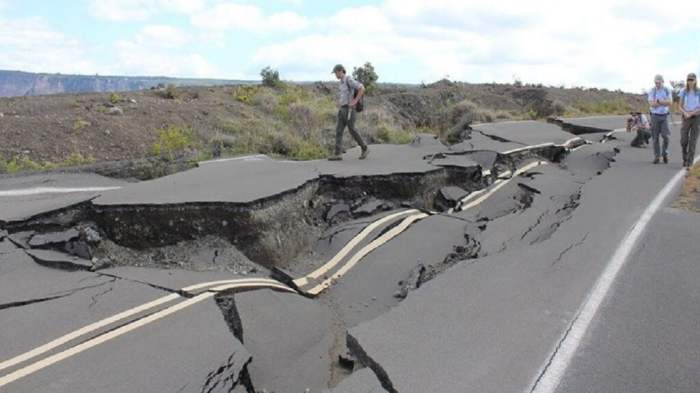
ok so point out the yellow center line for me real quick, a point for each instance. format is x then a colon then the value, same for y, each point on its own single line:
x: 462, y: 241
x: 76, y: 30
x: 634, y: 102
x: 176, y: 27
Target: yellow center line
x: 48, y: 361
x: 115, y: 318
x: 366, y: 250
x: 299, y: 282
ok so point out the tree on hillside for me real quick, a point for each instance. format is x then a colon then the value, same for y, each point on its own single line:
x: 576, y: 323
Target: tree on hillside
x: 367, y: 76
x: 677, y: 86
x: 270, y: 77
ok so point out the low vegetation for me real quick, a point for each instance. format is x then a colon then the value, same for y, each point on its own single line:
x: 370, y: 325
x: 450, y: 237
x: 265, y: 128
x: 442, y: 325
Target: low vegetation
x: 278, y: 118
x: 690, y: 195
x: 270, y: 77
x: 174, y: 140
x: 25, y: 164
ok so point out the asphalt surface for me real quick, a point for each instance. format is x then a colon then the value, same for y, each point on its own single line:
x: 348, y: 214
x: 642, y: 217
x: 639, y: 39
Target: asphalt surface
x: 525, y: 133
x: 33, y: 201
x: 247, y: 180
x: 290, y: 339
x: 646, y: 338
x: 471, y: 300
x: 601, y: 123
x: 506, y: 311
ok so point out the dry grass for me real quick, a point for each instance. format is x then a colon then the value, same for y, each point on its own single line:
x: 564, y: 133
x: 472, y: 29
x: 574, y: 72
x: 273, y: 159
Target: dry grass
x: 296, y: 121
x: 690, y: 195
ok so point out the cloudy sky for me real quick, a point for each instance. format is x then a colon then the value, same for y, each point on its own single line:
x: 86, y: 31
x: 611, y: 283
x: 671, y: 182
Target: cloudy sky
x: 612, y: 43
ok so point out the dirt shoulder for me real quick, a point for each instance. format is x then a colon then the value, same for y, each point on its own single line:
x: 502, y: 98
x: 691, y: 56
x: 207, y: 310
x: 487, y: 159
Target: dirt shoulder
x: 689, y: 199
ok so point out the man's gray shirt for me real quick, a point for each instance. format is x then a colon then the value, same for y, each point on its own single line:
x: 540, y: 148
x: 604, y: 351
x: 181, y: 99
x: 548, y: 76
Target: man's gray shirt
x: 347, y: 89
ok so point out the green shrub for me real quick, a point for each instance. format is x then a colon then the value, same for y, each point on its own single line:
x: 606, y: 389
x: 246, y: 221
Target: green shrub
x: 396, y: 137
x: 291, y: 95
x: 367, y: 76
x: 76, y: 159
x: 306, y: 150
x: 245, y: 94
x: 79, y: 125
x: 270, y: 77
x: 20, y: 164
x: 115, y: 98
x: 169, y: 93
x: 172, y: 140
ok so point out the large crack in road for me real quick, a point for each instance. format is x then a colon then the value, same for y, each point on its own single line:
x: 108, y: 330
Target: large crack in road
x: 312, y: 237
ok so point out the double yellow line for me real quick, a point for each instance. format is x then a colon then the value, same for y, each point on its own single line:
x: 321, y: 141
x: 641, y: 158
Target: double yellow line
x: 212, y: 289
x: 312, y: 284
x: 309, y: 284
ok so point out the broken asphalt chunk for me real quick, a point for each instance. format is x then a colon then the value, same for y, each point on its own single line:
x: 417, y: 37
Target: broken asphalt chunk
x: 449, y: 197
x: 59, y: 260
x: 21, y: 239
x: 53, y: 238
x: 289, y: 337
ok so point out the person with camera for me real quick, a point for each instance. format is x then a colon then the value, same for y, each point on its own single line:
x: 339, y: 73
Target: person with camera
x: 690, y: 111
x: 640, y: 124
x: 660, y: 99
x: 349, y: 99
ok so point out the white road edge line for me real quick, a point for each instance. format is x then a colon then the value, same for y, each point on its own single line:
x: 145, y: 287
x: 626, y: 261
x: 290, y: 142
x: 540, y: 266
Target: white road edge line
x: 53, y: 190
x: 115, y: 318
x: 555, y: 368
x: 46, y: 362
x: 254, y: 157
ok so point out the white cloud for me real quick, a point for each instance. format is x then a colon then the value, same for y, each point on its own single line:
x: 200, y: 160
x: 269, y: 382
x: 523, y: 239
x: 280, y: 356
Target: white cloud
x: 140, y: 10
x: 596, y: 43
x: 161, y: 35
x: 139, y: 57
x: 233, y: 16
x: 32, y: 45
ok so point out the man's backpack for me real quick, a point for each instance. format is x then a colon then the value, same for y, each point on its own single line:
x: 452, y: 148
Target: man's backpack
x: 360, y: 103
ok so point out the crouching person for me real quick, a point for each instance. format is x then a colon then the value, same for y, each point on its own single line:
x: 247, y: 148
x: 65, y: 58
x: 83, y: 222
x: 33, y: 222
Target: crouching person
x: 640, y: 124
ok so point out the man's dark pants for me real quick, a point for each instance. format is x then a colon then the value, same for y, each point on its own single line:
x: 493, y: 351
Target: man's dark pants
x: 659, y: 128
x: 689, y: 138
x: 349, y: 122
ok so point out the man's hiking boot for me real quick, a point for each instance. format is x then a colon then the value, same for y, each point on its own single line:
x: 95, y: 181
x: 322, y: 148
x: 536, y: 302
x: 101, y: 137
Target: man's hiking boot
x: 665, y: 159
x: 656, y: 160
x: 335, y: 157
x: 365, y: 153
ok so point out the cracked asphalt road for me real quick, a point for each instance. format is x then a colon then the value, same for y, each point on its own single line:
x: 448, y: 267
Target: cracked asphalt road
x: 472, y: 299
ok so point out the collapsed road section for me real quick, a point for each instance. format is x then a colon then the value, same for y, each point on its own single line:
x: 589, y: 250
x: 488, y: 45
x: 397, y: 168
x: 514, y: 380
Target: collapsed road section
x: 355, y: 238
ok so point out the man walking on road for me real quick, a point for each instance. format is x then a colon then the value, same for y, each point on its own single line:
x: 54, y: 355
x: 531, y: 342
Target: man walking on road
x: 660, y: 100
x: 347, y: 101
x: 690, y: 111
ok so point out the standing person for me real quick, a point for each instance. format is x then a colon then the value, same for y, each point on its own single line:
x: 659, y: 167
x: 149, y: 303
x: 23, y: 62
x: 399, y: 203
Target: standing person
x: 690, y: 110
x: 640, y: 124
x: 347, y: 100
x: 660, y: 100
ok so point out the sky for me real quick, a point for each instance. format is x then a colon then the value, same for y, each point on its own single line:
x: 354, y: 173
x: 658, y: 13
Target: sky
x: 614, y: 44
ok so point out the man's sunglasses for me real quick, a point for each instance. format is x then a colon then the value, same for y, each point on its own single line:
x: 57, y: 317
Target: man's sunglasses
x: 691, y: 80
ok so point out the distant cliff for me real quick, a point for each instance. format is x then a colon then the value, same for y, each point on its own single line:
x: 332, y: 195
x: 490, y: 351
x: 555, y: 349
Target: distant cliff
x: 17, y: 83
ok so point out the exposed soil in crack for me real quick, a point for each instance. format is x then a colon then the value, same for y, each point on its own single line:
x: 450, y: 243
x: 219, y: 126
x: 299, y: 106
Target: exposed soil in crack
x: 242, y: 238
